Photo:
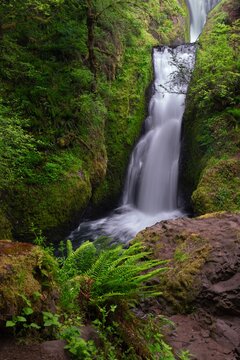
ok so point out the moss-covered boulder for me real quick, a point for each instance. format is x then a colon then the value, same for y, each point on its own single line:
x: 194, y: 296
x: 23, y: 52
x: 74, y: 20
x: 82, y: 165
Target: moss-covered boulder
x: 211, y: 133
x: 52, y: 208
x: 26, y: 280
x: 219, y: 186
x: 202, y: 252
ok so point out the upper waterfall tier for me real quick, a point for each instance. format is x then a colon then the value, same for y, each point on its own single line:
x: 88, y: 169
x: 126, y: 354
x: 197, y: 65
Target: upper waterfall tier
x: 199, y: 10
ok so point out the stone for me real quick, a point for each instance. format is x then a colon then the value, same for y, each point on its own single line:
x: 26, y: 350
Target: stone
x: 201, y: 289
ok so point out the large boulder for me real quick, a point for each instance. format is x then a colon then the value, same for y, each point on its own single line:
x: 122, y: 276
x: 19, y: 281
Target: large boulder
x: 201, y: 289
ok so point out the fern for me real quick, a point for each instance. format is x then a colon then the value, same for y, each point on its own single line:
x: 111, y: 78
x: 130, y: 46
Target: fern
x: 113, y: 274
x: 78, y: 262
x: 69, y: 248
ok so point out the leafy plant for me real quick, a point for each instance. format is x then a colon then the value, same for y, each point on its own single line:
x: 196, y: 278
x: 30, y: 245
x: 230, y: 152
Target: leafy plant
x: 184, y: 355
x: 76, y: 345
x: 23, y: 321
x: 50, y: 319
x: 110, y: 275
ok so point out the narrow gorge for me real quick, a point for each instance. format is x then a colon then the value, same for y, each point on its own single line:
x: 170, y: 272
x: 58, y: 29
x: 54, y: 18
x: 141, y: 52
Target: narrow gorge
x: 151, y: 187
x: 119, y: 180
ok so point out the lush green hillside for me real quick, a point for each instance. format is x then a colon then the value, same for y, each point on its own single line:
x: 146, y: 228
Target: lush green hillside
x: 212, y: 120
x: 73, y: 77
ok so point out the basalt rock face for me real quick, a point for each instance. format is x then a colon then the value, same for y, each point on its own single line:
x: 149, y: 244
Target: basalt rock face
x: 201, y: 289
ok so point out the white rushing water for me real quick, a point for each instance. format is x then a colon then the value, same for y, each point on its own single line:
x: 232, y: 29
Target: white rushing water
x: 151, y: 184
x: 150, y: 192
x: 199, y: 10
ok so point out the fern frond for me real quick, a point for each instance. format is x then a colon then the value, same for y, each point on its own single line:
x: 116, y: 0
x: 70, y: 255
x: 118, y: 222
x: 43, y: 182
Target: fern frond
x: 69, y: 248
x: 116, y: 273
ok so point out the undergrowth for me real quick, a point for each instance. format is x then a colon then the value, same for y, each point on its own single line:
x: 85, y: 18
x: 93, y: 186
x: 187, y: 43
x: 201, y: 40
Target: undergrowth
x: 100, y: 290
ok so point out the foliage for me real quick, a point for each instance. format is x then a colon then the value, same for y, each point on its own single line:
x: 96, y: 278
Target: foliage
x: 77, y: 346
x: 103, y: 286
x: 211, y: 124
x: 24, y: 322
x: 100, y: 278
x: 68, y: 129
x: 107, y: 310
x: 18, y: 152
x: 217, y: 76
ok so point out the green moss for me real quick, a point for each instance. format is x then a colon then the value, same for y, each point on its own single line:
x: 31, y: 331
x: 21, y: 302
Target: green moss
x: 25, y: 271
x: 187, y: 253
x: 64, y: 121
x: 218, y: 188
x: 5, y: 227
x: 211, y: 122
x: 48, y: 207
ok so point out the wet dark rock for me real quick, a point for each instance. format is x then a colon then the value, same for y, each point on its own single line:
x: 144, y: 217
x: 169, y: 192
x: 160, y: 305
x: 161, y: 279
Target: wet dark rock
x: 201, y: 290
x: 48, y: 350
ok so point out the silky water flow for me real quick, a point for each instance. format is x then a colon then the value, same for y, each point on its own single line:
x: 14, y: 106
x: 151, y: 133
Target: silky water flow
x: 151, y: 188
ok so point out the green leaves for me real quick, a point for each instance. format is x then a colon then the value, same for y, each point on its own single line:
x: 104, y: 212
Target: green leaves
x: 50, y: 319
x: 216, y: 75
x: 112, y: 274
x: 10, y: 323
x: 27, y: 311
x: 15, y: 320
x: 17, y: 148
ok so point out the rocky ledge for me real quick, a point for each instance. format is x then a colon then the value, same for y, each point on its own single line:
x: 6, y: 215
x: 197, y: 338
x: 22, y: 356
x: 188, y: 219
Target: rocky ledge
x: 201, y: 289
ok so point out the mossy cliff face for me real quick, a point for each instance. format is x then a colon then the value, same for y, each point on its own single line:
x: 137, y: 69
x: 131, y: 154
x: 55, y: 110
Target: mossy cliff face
x: 127, y: 105
x: 210, y: 166
x: 27, y: 276
x: 72, y: 105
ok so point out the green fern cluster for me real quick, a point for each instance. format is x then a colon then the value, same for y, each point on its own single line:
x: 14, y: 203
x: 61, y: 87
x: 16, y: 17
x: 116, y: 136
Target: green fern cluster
x: 113, y: 274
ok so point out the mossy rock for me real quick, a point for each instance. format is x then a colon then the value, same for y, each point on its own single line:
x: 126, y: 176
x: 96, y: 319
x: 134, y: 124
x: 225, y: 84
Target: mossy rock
x: 201, y: 253
x: 27, y: 275
x: 219, y: 187
x: 49, y: 207
x: 186, y: 252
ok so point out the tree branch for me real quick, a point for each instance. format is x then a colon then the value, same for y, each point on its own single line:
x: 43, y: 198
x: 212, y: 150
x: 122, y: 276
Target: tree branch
x: 170, y: 91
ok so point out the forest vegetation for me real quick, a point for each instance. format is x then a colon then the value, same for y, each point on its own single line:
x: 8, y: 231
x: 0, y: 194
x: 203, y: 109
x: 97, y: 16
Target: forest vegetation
x: 74, y: 78
x: 73, y: 81
x: 211, y: 167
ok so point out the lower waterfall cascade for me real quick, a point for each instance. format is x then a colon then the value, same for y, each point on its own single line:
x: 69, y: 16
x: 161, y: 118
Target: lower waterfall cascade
x: 151, y: 189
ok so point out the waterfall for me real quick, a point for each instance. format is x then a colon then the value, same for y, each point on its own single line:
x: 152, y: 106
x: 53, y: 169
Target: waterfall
x: 199, y: 10
x: 150, y: 192
x: 151, y: 184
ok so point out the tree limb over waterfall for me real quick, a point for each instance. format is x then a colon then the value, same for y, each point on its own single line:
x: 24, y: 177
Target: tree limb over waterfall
x: 179, y: 78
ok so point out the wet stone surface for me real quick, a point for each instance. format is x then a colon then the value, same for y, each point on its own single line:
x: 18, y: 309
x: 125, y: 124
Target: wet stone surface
x: 208, y: 323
